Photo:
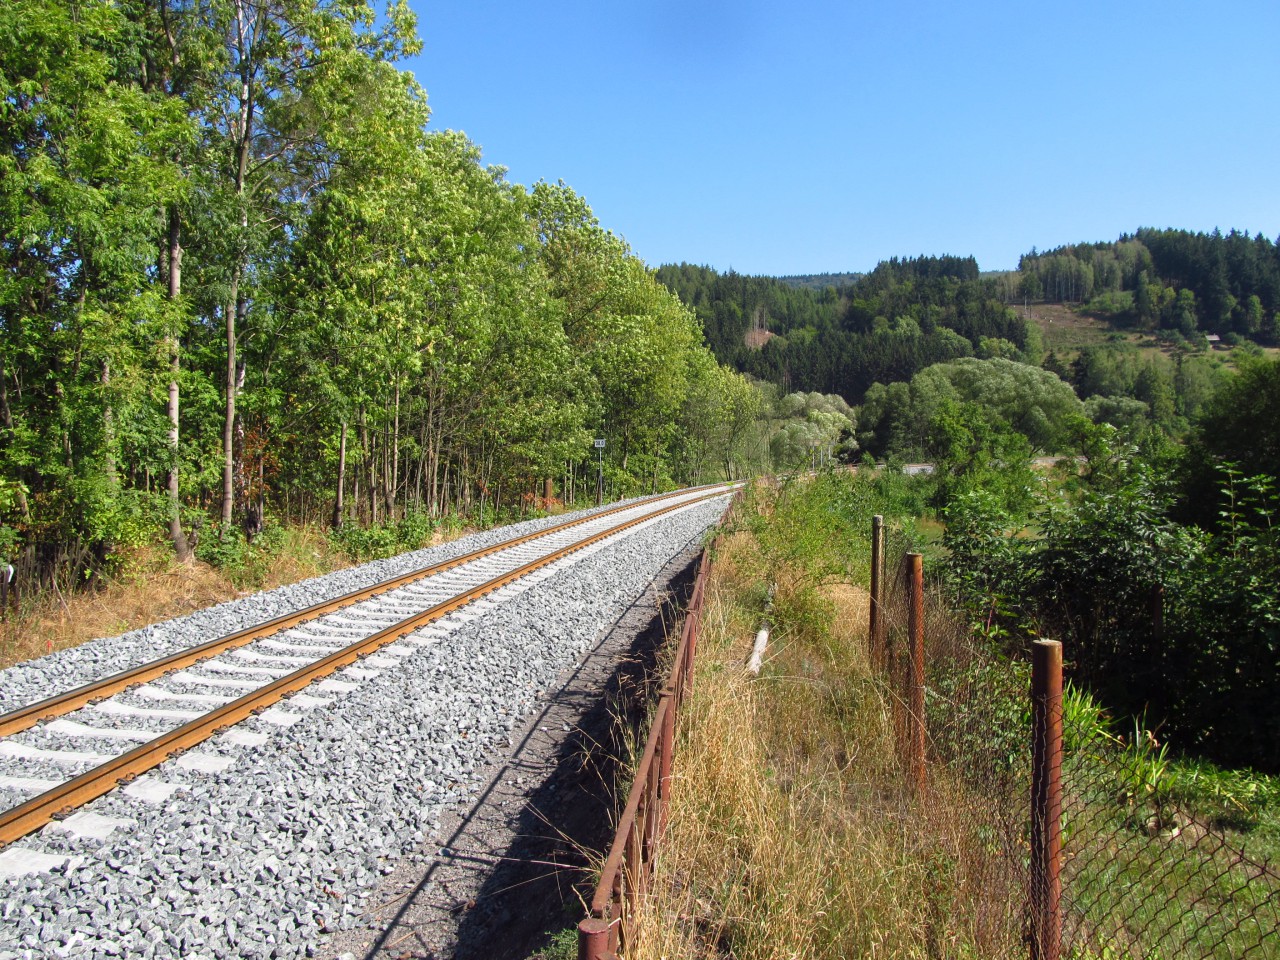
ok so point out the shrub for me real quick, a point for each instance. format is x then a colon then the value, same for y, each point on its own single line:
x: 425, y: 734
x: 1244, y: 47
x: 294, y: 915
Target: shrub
x: 379, y: 541
x: 245, y: 564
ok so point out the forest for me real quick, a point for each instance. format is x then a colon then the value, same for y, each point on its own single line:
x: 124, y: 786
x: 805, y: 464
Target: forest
x: 901, y: 317
x: 1191, y: 283
x: 867, y: 338
x: 246, y: 284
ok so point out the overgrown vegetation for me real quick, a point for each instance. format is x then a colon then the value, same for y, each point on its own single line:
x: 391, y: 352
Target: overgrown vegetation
x: 791, y: 833
x: 147, y: 586
x: 1158, y: 617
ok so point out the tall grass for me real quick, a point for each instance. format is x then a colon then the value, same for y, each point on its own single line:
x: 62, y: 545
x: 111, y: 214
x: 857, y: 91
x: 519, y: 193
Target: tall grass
x: 791, y: 832
x: 794, y: 832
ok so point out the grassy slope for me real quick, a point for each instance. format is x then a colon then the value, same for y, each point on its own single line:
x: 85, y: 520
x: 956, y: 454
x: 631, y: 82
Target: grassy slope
x: 150, y: 586
x: 1067, y: 329
x: 792, y: 833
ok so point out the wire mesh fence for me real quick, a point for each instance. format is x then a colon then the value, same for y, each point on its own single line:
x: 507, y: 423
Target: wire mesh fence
x: 1143, y: 876
x: 969, y: 711
x: 1098, y: 858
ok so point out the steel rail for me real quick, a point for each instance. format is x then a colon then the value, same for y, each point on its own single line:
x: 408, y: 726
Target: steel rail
x: 63, y: 703
x: 40, y: 810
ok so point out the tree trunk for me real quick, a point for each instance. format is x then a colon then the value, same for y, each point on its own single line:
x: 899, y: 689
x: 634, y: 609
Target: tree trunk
x: 60, y: 394
x: 181, y: 547
x: 243, y: 137
x: 422, y: 466
x: 389, y: 470
x: 355, y: 496
x: 229, y: 417
x: 439, y: 494
x: 394, y: 491
x: 371, y: 465
x: 108, y: 428
x: 342, y: 477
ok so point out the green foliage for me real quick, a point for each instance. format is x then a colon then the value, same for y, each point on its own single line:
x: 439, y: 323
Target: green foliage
x: 1090, y: 568
x: 1117, y: 306
x: 245, y: 564
x: 563, y: 945
x: 379, y: 541
x: 1084, y: 720
x: 1239, y: 425
x: 1143, y: 773
x: 812, y: 430
x: 986, y: 560
x: 899, y: 495
x: 1181, y: 280
x: 1227, y: 619
x: 1239, y: 798
x: 1010, y: 397
x: 10, y: 542
x: 809, y: 533
x: 886, y: 326
x: 119, y: 519
x: 167, y: 168
x: 980, y: 716
x: 1111, y: 377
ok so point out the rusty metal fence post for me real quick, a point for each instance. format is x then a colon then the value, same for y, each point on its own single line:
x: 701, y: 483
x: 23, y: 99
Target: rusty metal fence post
x: 666, y: 758
x: 593, y: 938
x: 915, y: 672
x: 1046, y: 800
x: 875, y: 633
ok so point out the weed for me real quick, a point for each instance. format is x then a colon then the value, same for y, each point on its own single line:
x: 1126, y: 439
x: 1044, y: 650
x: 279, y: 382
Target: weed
x: 379, y: 541
x: 563, y: 945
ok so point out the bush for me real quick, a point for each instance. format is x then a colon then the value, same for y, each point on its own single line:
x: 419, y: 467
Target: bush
x: 245, y: 564
x: 379, y: 541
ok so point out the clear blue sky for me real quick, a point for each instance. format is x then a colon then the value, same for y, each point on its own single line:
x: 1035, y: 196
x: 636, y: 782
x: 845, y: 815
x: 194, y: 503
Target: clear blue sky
x: 814, y: 137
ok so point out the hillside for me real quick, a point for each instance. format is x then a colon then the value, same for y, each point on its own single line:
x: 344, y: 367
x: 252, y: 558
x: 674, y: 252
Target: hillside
x: 1144, y: 329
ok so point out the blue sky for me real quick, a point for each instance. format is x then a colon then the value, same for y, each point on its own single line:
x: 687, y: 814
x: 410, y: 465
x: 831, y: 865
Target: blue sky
x: 817, y: 137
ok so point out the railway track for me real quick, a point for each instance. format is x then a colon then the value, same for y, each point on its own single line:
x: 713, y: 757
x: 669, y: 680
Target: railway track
x: 164, y: 708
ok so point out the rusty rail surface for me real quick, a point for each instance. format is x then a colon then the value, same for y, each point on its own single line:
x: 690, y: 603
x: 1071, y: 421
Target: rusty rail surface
x: 625, y: 877
x: 35, y: 813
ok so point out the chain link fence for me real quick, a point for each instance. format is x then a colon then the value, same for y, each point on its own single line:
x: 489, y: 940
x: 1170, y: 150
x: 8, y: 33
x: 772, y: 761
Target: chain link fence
x: 1064, y: 836
x: 1142, y: 875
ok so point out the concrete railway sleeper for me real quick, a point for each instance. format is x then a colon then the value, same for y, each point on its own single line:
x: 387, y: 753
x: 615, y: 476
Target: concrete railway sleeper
x: 280, y: 657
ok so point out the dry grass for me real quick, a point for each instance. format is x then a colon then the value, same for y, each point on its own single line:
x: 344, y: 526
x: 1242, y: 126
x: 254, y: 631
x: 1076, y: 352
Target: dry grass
x: 151, y: 587
x: 791, y: 833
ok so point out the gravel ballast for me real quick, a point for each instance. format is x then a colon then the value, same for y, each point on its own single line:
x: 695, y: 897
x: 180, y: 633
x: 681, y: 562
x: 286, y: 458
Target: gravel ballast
x: 56, y: 673
x: 286, y: 844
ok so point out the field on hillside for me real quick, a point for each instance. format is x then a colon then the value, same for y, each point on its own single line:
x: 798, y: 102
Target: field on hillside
x: 1066, y: 330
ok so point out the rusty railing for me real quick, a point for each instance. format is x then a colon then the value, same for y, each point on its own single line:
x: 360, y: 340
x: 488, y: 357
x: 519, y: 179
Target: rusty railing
x: 624, y: 879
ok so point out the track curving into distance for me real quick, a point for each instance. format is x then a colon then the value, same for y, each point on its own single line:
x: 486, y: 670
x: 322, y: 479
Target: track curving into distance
x: 183, y: 699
